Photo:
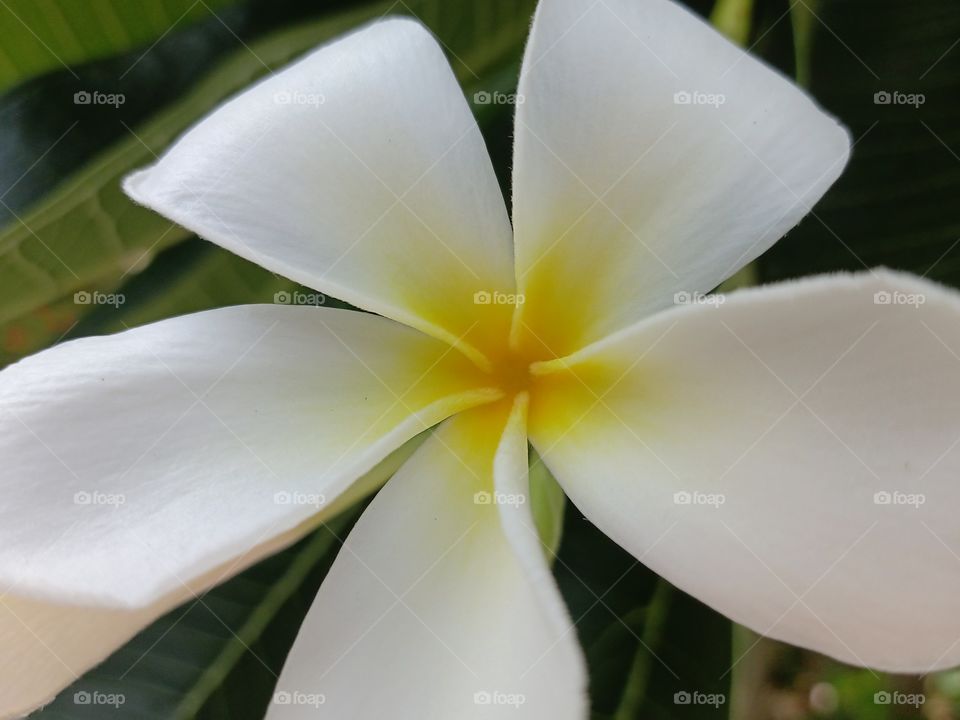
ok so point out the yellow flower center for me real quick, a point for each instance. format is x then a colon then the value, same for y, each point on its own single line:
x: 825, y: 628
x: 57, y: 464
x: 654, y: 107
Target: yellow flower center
x: 504, y: 358
x: 511, y: 372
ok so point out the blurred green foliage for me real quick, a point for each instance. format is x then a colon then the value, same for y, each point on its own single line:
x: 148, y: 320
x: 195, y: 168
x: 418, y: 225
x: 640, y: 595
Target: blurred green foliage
x: 43, y: 35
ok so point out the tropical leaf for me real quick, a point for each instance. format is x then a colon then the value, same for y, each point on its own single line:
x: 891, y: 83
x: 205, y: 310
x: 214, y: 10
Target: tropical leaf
x: 43, y: 35
x: 644, y: 641
x: 891, y: 72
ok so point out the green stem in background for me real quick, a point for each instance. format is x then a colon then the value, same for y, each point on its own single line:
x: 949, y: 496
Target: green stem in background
x: 321, y: 544
x: 802, y: 17
x: 753, y: 657
x: 747, y: 276
x: 655, y: 620
x: 734, y: 18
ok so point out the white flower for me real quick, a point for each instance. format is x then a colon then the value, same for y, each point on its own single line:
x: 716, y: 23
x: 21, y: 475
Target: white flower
x: 775, y: 417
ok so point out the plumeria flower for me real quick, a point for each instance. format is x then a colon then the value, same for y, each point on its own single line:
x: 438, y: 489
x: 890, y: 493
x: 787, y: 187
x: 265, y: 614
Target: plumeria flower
x: 786, y: 454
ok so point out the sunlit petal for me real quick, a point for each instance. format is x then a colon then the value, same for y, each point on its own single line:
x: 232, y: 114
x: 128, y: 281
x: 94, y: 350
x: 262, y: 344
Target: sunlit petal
x: 440, y: 605
x: 652, y: 157
x: 143, y: 467
x: 358, y: 171
x: 790, y: 457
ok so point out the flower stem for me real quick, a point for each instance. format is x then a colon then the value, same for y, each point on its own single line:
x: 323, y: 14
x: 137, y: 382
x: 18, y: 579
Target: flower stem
x: 734, y: 18
x: 655, y: 620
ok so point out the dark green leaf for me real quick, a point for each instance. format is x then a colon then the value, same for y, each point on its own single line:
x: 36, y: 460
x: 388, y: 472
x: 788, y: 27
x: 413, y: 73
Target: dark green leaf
x: 896, y: 204
x: 41, y: 35
x: 644, y: 641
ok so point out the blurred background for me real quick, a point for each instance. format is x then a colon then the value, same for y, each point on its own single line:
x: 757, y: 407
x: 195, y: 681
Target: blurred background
x: 91, y: 89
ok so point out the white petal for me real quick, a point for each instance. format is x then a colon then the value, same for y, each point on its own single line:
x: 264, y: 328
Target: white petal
x: 779, y: 416
x: 45, y: 646
x: 438, y: 606
x: 622, y: 195
x: 358, y: 171
x: 143, y: 467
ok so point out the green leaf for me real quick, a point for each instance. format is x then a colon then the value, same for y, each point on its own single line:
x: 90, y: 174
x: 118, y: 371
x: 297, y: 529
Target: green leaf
x: 192, y: 277
x: 895, y: 204
x: 644, y: 641
x: 43, y: 35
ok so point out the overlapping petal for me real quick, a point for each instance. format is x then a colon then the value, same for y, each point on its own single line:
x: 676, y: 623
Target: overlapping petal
x: 358, y: 171
x: 789, y: 457
x: 440, y: 604
x: 652, y: 157
x: 143, y: 467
